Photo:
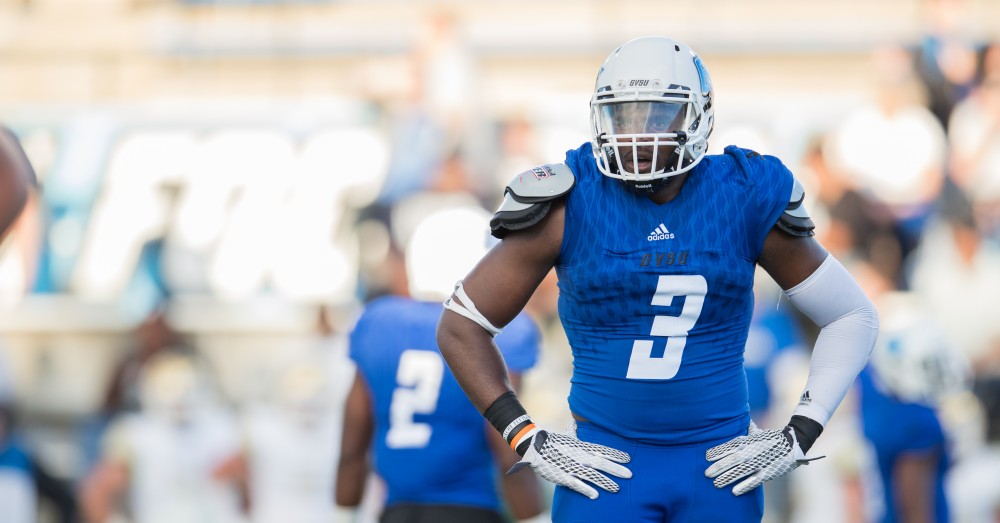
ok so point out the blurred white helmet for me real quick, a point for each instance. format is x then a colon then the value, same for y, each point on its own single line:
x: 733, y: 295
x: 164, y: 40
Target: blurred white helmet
x: 302, y: 390
x: 444, y: 247
x: 652, y: 111
x: 914, y: 359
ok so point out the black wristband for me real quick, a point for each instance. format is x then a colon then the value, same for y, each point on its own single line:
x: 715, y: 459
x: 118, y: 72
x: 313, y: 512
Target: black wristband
x: 806, y: 431
x: 510, y: 419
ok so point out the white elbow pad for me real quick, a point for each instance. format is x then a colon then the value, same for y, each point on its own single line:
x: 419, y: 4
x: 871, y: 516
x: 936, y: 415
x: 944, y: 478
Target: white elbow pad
x: 832, y: 299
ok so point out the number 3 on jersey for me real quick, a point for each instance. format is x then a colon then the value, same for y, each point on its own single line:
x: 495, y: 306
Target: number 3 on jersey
x: 418, y: 381
x: 642, y: 364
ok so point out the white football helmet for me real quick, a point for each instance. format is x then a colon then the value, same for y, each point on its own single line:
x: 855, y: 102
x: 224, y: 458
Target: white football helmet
x: 914, y: 359
x: 651, y: 92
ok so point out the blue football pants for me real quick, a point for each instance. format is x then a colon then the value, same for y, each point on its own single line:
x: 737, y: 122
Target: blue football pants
x: 668, y: 484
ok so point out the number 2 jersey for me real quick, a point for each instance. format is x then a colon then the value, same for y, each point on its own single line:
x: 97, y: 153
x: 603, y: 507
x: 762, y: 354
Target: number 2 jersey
x: 430, y: 442
x: 656, y: 300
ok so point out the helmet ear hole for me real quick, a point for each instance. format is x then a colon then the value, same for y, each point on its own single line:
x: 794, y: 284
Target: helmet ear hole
x: 694, y: 124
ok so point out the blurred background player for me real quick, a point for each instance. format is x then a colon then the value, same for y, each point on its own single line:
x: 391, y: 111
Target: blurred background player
x: 24, y: 479
x: 439, y: 460
x: 291, y: 439
x: 913, y: 371
x: 169, y: 457
x: 152, y: 337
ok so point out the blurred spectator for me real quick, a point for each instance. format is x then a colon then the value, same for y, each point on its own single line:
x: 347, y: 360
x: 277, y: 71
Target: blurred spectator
x: 454, y: 175
x: 445, y: 69
x: 292, y: 439
x: 152, y: 337
x: 24, y: 480
x: 431, y: 120
x: 974, y: 137
x: 893, y: 150
x: 957, y: 273
x: 856, y: 225
x: 448, y: 185
x: 913, y: 371
x: 409, y: 412
x: 518, y: 149
x: 417, y: 146
x: 169, y: 456
x: 946, y: 57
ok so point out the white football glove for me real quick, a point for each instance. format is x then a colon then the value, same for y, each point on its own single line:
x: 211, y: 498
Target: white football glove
x: 761, y: 454
x: 567, y: 461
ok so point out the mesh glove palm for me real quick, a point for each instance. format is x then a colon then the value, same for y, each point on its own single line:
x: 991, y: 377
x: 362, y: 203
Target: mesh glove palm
x: 762, y: 455
x: 565, y: 460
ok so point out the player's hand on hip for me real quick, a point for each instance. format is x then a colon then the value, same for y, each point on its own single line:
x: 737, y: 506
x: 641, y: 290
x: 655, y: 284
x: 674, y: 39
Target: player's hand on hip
x: 760, y: 456
x: 565, y: 460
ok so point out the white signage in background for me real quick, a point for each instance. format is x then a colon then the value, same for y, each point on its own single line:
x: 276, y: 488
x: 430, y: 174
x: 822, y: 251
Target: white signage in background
x: 240, y: 211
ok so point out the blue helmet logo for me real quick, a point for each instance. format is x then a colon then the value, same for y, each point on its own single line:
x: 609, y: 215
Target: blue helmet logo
x: 706, y: 81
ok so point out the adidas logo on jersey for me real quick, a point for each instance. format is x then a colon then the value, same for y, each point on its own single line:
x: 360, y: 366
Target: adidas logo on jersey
x: 660, y: 233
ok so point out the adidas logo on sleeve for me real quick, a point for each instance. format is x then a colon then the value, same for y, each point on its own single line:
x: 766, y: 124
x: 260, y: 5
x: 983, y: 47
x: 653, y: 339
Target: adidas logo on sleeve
x: 660, y: 233
x: 805, y: 399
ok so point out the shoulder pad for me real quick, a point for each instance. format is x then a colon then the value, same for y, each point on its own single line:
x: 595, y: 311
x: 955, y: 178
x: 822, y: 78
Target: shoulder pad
x: 795, y: 220
x: 527, y: 198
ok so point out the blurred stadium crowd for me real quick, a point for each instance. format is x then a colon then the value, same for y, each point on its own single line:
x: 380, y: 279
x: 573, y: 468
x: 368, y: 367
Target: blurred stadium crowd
x: 201, y: 262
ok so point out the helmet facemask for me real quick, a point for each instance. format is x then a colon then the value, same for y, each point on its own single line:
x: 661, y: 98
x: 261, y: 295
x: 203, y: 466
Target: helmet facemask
x: 646, y: 139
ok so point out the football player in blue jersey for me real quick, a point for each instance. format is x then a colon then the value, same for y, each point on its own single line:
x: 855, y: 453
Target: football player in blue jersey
x: 16, y: 176
x: 408, y: 409
x: 914, y: 371
x: 655, y: 245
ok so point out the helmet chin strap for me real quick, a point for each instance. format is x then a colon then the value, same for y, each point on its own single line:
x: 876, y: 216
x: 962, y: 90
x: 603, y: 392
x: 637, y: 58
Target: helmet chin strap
x: 651, y: 186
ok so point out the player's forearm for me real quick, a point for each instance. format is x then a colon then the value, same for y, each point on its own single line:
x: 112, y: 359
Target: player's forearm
x: 351, y: 474
x: 849, y: 327
x: 100, y: 491
x: 474, y: 360
x: 841, y: 352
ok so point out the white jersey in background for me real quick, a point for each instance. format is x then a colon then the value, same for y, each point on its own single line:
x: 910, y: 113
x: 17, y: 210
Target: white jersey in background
x: 173, y: 467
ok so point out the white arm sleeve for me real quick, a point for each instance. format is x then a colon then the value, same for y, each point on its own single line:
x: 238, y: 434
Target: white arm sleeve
x: 849, y: 325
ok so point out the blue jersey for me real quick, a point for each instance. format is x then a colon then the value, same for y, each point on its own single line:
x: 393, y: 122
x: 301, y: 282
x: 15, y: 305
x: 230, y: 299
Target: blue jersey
x: 18, y: 501
x: 430, y: 441
x: 656, y: 300
x: 894, y: 429
x: 14, y: 458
